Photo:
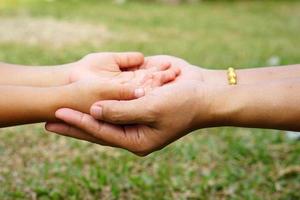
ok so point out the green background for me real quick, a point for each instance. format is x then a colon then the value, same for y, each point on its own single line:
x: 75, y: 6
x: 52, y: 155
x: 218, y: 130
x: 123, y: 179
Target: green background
x: 220, y: 163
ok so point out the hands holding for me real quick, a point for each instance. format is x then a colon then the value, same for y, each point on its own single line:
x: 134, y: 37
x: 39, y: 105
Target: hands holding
x: 37, y: 92
x: 143, y: 104
x: 150, y: 122
x: 103, y: 76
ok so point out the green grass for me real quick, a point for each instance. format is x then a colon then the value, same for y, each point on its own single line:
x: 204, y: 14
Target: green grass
x: 223, y: 163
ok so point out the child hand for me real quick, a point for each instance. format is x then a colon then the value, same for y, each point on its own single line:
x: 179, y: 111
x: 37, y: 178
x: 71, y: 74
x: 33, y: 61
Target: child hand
x: 120, y: 85
x: 146, y: 79
x: 95, y: 64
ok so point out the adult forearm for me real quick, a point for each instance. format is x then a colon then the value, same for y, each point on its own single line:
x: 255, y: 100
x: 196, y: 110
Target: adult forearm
x: 253, y: 75
x: 273, y: 105
x: 33, y: 76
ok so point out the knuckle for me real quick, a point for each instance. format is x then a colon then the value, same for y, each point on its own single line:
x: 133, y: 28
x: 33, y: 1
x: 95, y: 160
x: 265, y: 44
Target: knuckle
x: 106, y: 112
x: 111, y: 114
x: 154, y: 110
x: 122, y: 58
x: 128, y: 59
x: 124, y: 92
x: 83, y: 119
x: 114, y: 118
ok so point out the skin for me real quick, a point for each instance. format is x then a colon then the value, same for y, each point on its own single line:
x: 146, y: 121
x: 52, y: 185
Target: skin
x: 263, y: 98
x: 89, y: 67
x: 36, y: 104
x: 95, y: 77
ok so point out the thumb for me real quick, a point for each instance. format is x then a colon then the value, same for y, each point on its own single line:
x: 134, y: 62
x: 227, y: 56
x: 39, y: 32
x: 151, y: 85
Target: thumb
x: 119, y: 91
x: 129, y: 59
x: 123, y: 112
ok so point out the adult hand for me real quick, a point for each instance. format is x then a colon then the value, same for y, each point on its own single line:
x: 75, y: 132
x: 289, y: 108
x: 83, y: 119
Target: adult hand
x: 163, y: 116
x: 95, y: 64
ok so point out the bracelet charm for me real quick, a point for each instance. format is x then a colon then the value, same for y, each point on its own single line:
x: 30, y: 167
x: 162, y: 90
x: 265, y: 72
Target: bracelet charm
x: 232, y: 76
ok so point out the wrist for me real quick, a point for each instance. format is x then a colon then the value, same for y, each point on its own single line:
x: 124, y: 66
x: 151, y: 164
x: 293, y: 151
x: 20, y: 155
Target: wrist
x: 213, y: 98
x: 61, y: 74
x: 74, y: 97
x: 62, y: 97
x: 213, y: 77
x: 225, y: 104
x: 215, y: 105
x: 82, y: 94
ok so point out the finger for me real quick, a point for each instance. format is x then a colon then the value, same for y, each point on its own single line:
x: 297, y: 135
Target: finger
x: 129, y: 59
x: 153, y: 75
x: 109, y: 134
x: 165, y: 66
x: 177, y: 70
x: 162, y: 67
x: 121, y: 91
x: 122, y: 112
x: 70, y: 131
x: 164, y: 77
x: 170, y: 74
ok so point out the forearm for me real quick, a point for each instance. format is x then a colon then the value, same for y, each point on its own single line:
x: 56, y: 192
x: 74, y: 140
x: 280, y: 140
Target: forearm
x: 253, y: 75
x: 23, y: 105
x: 33, y: 76
x: 273, y: 105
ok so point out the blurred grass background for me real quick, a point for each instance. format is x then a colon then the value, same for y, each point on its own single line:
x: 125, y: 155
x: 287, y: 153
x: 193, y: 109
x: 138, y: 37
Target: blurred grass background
x: 220, y: 163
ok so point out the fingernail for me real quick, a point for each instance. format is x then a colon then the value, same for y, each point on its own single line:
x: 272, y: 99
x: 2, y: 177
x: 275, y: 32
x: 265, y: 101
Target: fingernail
x: 139, y: 92
x: 96, y: 111
x: 48, y: 127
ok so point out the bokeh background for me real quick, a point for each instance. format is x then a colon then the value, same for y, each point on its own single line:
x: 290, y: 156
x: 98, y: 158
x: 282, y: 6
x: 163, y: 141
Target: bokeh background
x: 219, y: 163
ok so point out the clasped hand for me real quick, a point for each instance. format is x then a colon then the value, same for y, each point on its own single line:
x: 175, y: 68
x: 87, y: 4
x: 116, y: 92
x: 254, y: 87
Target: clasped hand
x: 142, y: 105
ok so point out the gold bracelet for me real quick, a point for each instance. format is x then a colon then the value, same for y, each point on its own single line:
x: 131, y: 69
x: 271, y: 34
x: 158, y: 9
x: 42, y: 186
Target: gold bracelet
x: 232, y: 76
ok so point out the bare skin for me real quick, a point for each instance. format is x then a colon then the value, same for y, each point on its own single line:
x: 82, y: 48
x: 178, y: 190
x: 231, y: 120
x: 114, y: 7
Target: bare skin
x: 89, y: 67
x: 25, y: 101
x: 198, y: 98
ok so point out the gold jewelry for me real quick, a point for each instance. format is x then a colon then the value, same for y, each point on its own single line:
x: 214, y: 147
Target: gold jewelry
x: 232, y: 76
